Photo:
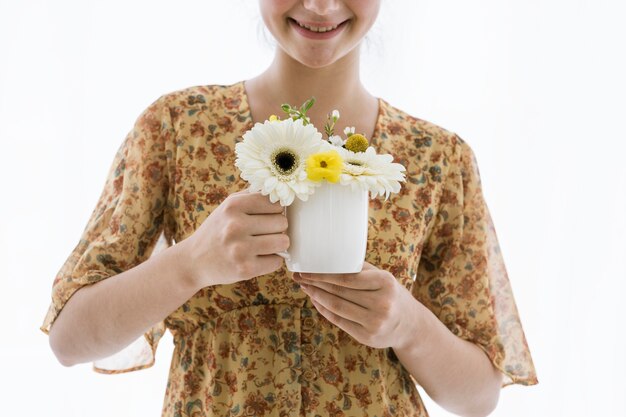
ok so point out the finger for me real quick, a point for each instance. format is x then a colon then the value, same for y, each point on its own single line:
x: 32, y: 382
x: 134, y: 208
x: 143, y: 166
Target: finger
x: 255, y: 203
x: 363, y: 298
x: 348, y: 326
x: 367, y: 280
x: 336, y: 305
x: 265, y: 224
x: 270, y: 244
x: 268, y: 264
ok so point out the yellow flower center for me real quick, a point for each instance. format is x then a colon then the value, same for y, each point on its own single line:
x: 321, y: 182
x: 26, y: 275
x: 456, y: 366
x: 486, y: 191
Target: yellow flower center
x: 324, y: 166
x: 273, y: 118
x: 356, y: 143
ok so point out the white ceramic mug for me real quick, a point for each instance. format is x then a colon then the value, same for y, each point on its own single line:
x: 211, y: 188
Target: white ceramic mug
x: 328, y: 232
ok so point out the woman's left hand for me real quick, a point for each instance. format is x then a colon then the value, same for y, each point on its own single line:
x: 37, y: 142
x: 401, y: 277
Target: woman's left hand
x: 371, y: 306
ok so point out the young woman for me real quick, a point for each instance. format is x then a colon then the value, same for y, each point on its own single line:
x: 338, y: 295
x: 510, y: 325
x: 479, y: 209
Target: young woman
x: 432, y: 305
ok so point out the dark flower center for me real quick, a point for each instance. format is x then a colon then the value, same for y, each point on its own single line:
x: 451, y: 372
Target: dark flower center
x: 323, y: 164
x: 285, y: 161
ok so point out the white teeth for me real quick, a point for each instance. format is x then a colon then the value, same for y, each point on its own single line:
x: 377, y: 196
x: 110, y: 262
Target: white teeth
x: 317, y: 29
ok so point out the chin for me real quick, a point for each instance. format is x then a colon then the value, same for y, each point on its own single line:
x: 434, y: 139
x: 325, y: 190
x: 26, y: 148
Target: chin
x: 317, y: 61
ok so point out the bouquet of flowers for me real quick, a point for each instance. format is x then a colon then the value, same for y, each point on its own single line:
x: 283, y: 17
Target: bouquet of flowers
x: 289, y: 158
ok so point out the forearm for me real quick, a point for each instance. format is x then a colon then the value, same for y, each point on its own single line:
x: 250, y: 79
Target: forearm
x: 101, y: 319
x: 455, y: 373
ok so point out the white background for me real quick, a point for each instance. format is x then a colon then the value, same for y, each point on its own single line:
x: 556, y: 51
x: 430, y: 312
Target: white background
x: 535, y: 87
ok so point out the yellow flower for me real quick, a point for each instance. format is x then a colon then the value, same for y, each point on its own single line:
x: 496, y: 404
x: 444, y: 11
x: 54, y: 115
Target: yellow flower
x: 273, y: 118
x: 324, y: 165
x: 356, y: 143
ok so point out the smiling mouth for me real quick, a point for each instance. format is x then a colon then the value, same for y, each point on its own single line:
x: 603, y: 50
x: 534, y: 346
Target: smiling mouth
x: 318, y: 29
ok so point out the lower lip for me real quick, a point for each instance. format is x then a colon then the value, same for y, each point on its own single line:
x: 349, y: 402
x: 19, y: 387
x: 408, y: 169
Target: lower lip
x: 317, y: 35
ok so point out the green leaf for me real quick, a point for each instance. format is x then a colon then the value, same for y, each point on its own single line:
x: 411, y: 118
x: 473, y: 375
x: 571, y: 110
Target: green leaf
x: 309, y: 103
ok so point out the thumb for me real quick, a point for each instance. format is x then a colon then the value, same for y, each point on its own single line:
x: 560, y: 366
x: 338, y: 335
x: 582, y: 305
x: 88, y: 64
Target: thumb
x: 368, y: 266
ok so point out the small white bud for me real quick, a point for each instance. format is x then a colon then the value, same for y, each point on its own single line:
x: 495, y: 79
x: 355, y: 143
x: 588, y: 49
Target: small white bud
x: 336, y: 140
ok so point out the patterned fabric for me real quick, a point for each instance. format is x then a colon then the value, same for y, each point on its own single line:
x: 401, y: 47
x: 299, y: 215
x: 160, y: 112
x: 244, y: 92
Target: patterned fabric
x: 259, y: 347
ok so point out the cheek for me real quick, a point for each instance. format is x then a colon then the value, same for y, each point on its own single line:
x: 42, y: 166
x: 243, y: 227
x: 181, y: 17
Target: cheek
x: 366, y: 11
x: 275, y: 8
x: 273, y: 13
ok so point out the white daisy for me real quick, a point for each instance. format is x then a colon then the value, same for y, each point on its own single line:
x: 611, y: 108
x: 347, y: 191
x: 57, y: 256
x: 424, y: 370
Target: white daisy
x: 369, y: 171
x: 272, y: 158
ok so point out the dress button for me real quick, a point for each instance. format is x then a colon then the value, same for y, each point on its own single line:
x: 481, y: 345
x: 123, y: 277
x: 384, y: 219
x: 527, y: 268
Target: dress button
x: 308, y: 349
x: 308, y: 322
x: 309, y: 375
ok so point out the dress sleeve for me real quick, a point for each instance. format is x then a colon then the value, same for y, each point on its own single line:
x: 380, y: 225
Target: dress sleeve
x: 123, y: 229
x: 461, y: 276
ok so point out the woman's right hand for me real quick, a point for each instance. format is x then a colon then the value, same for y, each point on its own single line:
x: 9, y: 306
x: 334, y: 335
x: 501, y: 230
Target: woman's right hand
x: 238, y: 241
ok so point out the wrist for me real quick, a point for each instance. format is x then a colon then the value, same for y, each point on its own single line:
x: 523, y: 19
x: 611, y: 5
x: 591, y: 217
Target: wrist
x: 183, y: 266
x: 416, y: 330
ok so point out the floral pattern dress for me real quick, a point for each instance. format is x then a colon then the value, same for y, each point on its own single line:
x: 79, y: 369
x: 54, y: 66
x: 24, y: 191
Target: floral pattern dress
x: 259, y: 347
